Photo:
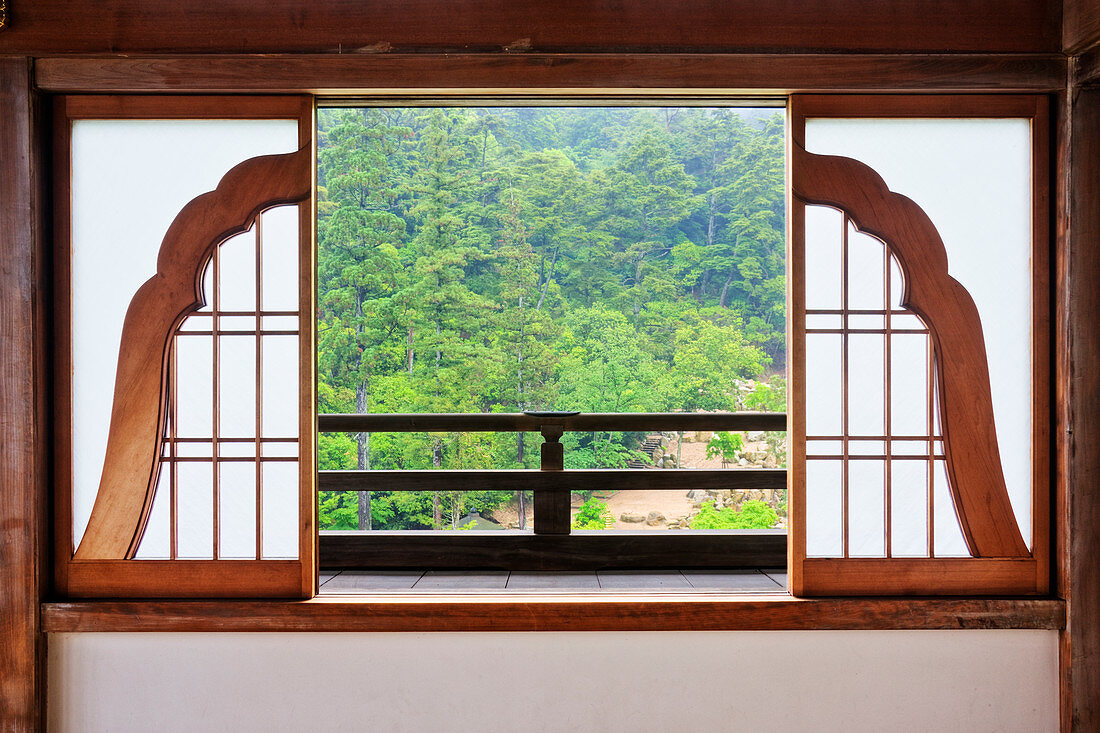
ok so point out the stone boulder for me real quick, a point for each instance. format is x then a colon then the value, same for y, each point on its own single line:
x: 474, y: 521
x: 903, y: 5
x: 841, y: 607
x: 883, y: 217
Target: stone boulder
x: 631, y: 518
x: 655, y: 518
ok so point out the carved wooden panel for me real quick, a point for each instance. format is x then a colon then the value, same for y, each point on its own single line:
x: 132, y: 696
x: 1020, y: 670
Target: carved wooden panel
x: 961, y: 441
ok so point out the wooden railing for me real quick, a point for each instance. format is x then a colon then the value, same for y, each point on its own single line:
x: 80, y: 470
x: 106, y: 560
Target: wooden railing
x: 551, y: 484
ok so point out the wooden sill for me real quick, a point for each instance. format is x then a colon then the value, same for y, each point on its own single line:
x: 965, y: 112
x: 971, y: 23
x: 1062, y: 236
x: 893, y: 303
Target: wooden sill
x: 574, y: 612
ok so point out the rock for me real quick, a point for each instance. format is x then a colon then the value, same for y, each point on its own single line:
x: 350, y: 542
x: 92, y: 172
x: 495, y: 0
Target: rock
x: 755, y: 436
x: 655, y: 518
x: 742, y: 462
x: 770, y: 462
x: 631, y: 517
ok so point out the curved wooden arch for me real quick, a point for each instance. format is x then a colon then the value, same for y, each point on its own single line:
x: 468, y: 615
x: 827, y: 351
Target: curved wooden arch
x: 138, y: 413
x: 973, y: 458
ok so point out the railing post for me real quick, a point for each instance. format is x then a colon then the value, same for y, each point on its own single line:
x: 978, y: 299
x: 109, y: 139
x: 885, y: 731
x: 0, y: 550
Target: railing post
x: 552, y: 507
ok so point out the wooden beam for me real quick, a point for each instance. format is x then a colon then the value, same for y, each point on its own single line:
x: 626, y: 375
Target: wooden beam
x: 1078, y: 404
x: 533, y: 479
x: 755, y: 548
x: 510, y: 422
x: 1080, y: 25
x: 596, y: 611
x: 466, y: 73
x: 23, y: 423
x: 650, y: 26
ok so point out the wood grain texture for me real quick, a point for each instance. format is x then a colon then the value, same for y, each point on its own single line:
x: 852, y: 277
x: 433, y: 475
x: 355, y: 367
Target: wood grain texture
x: 1086, y: 68
x: 509, y: 422
x: 600, y: 611
x: 578, y: 551
x: 1078, y: 309
x: 23, y: 393
x: 128, y: 482
x: 278, y: 26
x: 561, y: 482
x: 966, y: 406
x: 612, y: 74
x: 1080, y: 25
x: 955, y: 576
x: 185, y: 578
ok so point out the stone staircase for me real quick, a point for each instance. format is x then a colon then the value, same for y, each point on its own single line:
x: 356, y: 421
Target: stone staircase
x: 651, y: 445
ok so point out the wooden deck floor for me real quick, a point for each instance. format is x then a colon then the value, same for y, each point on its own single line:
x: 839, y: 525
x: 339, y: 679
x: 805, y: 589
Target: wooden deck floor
x: 502, y: 581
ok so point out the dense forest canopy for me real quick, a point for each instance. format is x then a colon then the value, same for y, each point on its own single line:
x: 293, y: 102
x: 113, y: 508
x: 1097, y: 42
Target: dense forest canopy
x: 618, y: 259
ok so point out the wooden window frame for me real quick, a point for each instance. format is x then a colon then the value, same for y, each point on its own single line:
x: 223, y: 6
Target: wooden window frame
x: 528, y: 75
x: 1027, y: 574
x: 111, y: 574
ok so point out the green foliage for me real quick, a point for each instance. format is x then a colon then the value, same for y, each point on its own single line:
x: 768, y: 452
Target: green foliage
x: 505, y: 259
x: 770, y: 396
x: 752, y: 515
x: 726, y: 445
x: 593, y: 514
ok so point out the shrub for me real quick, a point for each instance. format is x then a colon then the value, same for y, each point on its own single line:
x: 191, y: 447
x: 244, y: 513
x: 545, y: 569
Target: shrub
x: 753, y: 515
x: 593, y: 514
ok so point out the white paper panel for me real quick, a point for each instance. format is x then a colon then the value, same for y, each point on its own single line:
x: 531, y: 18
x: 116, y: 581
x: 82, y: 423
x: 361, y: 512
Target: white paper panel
x: 866, y: 384
x: 823, y: 260
x: 909, y: 508
x: 823, y: 321
x: 823, y: 380
x: 972, y: 178
x: 866, y: 509
x: 237, y: 520
x: 280, y: 259
x: 156, y: 543
x: 194, y: 387
x: 237, y: 386
x: 280, y: 511
x: 866, y: 272
x: 195, y: 531
x: 948, y: 536
x: 237, y: 274
x: 823, y: 509
x: 280, y: 386
x: 129, y: 180
x: 909, y: 384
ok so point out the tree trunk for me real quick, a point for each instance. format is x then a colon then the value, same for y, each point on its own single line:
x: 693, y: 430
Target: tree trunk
x: 363, y: 444
x: 726, y: 289
x: 410, y: 350
x: 437, y: 506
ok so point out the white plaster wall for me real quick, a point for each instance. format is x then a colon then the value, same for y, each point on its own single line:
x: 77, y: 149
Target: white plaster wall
x: 632, y: 681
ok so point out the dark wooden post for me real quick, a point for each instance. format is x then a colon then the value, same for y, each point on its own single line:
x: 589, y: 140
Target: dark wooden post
x: 552, y: 507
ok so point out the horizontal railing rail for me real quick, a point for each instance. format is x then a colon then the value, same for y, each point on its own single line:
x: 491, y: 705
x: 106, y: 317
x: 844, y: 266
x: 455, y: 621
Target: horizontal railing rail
x: 609, y: 479
x: 510, y: 422
x: 552, y: 484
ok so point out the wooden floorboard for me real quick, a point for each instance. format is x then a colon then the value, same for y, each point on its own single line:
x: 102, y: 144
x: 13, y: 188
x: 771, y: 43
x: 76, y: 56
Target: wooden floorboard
x: 379, y: 580
x: 664, y: 580
x: 745, y: 582
x: 353, y: 582
x: 553, y: 581
x: 459, y: 580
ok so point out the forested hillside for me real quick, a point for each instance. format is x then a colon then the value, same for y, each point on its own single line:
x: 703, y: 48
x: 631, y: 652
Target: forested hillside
x: 505, y: 259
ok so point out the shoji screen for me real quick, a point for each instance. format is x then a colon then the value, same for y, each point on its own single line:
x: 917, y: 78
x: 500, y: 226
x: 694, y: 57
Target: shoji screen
x: 185, y: 347
x: 920, y: 354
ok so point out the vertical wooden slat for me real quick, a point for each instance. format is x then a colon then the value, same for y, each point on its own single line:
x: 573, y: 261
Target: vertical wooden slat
x: 173, y: 464
x: 929, y: 380
x: 259, y: 385
x: 844, y: 431
x: 23, y: 421
x: 887, y: 525
x: 215, y: 386
x: 307, y: 374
